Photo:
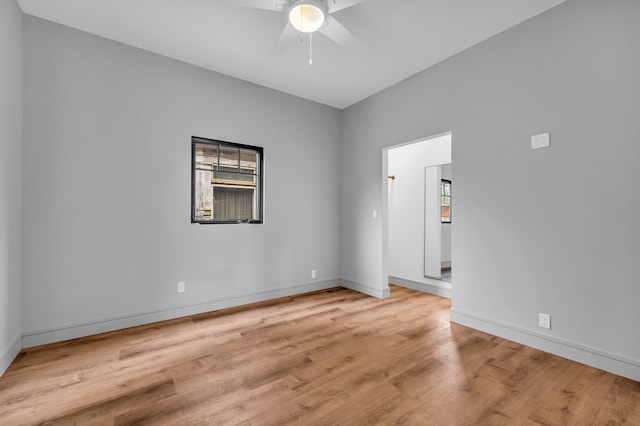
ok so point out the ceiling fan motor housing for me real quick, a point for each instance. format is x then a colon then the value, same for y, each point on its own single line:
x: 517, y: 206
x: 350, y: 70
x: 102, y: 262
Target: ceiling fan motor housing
x: 308, y: 16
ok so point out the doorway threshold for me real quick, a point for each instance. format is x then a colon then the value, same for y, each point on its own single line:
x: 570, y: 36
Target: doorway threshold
x: 429, y: 285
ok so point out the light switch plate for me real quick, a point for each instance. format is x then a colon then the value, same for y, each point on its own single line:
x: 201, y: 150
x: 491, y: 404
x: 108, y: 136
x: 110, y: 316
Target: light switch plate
x: 540, y: 141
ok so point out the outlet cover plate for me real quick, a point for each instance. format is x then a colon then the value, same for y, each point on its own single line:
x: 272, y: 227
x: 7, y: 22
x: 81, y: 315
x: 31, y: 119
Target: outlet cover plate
x: 544, y: 321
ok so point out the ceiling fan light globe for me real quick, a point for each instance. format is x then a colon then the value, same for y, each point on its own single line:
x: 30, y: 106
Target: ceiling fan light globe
x: 306, y: 17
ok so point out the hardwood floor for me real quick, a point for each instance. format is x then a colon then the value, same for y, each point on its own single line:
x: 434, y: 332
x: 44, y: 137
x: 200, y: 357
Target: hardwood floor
x: 334, y: 358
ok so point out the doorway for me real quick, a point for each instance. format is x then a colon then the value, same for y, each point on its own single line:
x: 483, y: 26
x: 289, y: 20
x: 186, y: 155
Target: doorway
x: 416, y: 244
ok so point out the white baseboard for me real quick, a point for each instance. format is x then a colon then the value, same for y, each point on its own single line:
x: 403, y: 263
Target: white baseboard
x: 380, y: 293
x: 439, y: 288
x: 613, y: 363
x: 72, y: 331
x: 10, y: 354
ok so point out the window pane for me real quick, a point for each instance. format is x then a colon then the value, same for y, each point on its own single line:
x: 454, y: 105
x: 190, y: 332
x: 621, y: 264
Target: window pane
x: 206, y: 157
x: 229, y: 158
x: 446, y: 214
x: 233, y: 177
x: 203, y: 195
x: 248, y: 161
x: 234, y: 203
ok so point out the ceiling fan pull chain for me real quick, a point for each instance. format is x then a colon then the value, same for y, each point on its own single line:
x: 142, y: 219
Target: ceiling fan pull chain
x: 310, y: 49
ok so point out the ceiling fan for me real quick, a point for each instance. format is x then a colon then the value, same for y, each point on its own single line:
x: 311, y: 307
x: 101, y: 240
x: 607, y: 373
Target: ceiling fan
x: 306, y: 17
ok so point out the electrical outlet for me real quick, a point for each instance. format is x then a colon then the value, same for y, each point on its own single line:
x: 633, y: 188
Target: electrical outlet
x: 181, y: 287
x: 544, y: 321
x: 313, y: 274
x: 540, y: 141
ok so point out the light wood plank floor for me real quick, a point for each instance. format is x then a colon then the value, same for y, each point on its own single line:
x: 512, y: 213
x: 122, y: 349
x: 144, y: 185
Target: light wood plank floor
x: 326, y: 358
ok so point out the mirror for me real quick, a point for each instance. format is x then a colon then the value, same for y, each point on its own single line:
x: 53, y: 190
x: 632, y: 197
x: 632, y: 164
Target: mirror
x: 437, y: 222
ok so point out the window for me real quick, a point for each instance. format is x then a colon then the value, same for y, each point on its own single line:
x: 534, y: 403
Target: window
x: 445, y: 201
x: 226, y: 182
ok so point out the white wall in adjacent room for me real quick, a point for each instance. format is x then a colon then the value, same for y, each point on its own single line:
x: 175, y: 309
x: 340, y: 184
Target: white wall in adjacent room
x: 406, y: 218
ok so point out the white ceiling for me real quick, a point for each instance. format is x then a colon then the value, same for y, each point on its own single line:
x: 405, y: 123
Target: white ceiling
x: 400, y: 38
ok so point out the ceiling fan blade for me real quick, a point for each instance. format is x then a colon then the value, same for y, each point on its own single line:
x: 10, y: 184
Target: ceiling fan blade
x: 287, y: 39
x: 273, y: 5
x: 339, y: 34
x: 336, y: 5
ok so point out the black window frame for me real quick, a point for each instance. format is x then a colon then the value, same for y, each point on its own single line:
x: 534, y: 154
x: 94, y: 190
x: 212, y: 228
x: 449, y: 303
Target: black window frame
x: 197, y: 140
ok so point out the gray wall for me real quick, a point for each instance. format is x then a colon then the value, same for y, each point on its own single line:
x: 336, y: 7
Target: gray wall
x: 107, y: 188
x: 106, y: 231
x: 10, y: 179
x: 532, y: 228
